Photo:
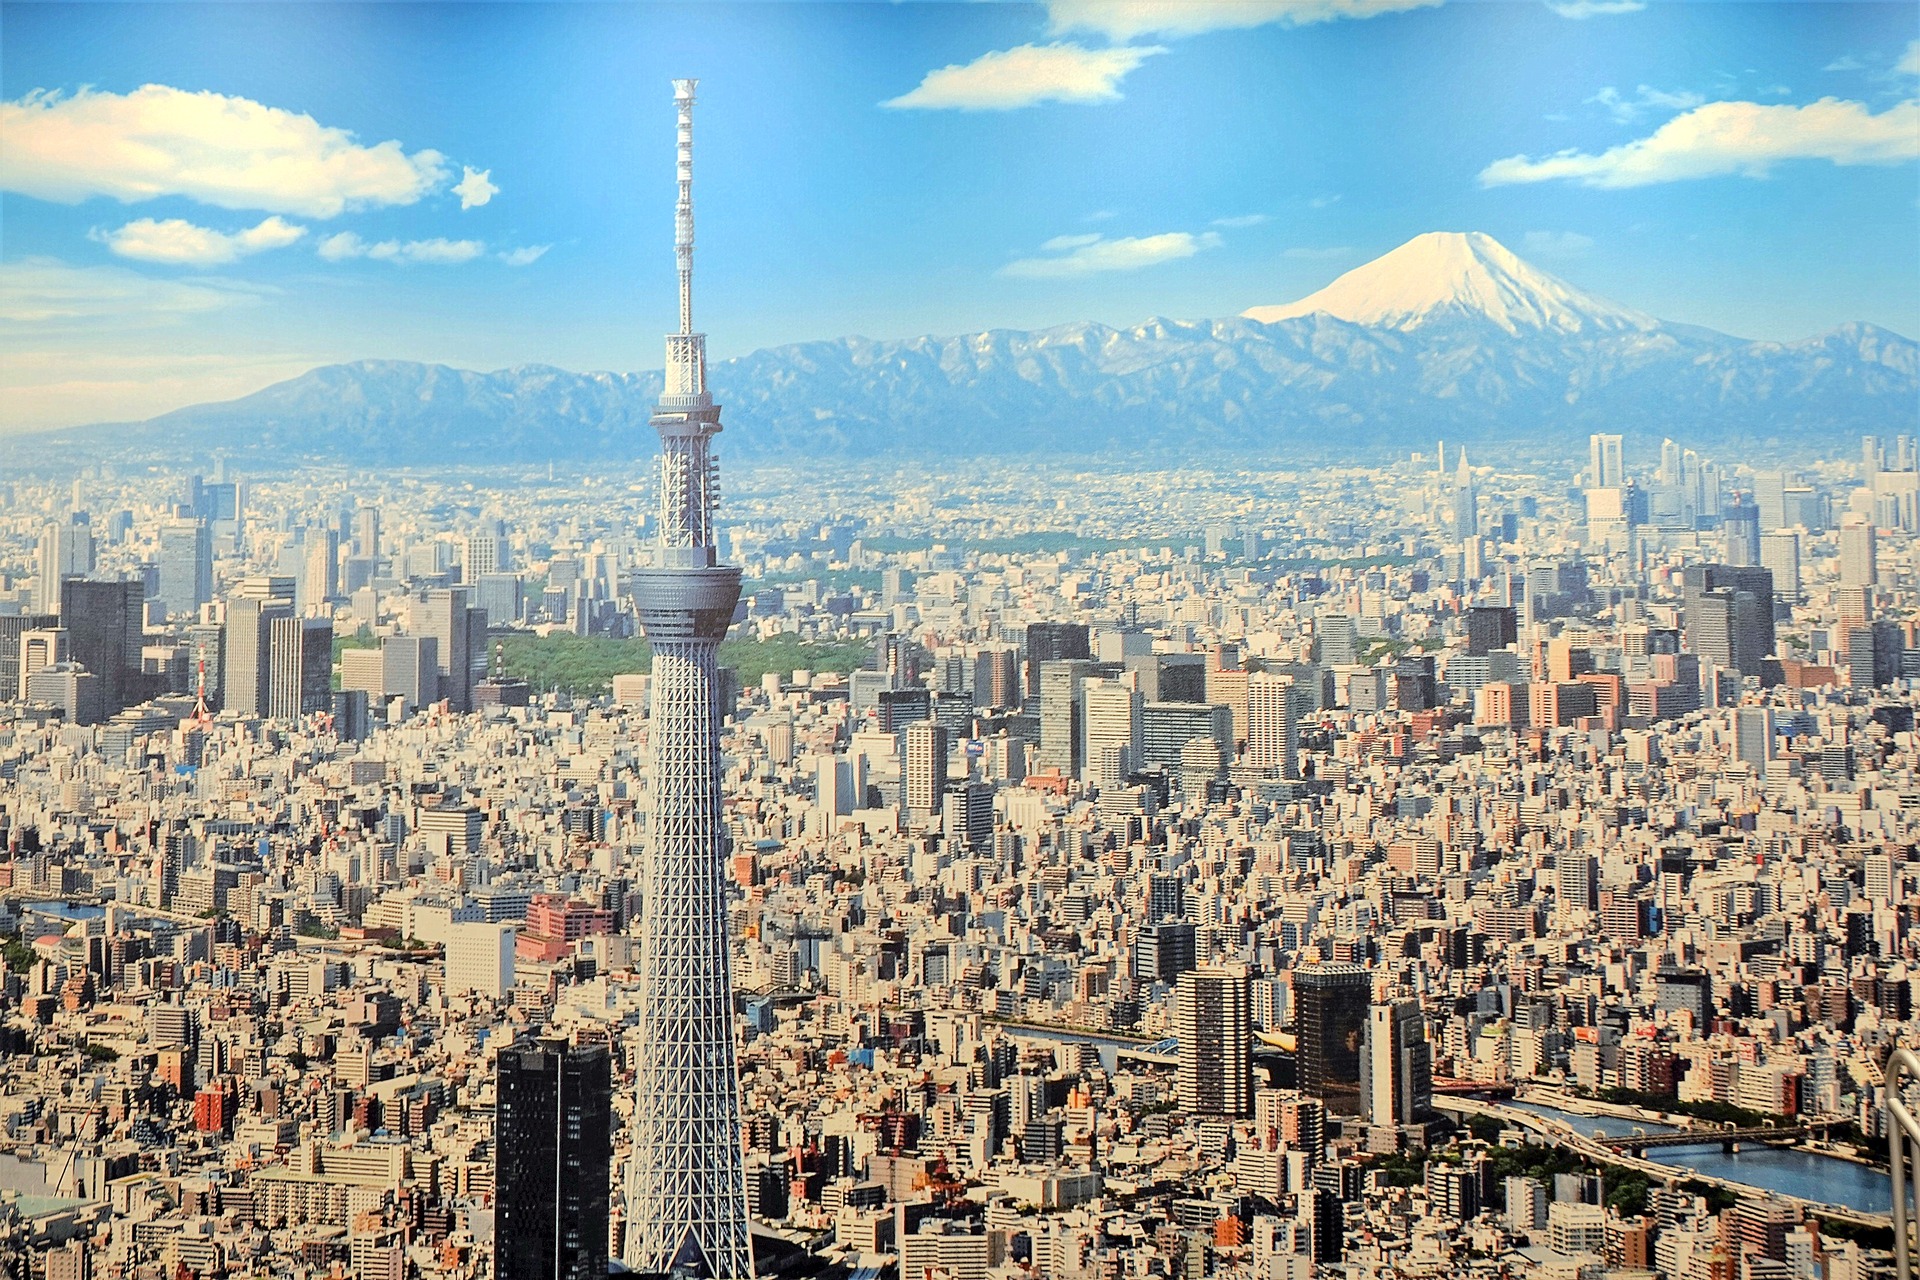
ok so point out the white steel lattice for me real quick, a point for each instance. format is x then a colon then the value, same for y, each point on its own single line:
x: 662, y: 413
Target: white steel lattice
x: 687, y: 1188
x: 688, y: 1194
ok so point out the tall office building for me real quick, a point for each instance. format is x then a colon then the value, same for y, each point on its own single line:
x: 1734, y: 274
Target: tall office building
x: 1729, y: 614
x: 1331, y: 1003
x: 1466, y: 501
x: 486, y: 552
x: 1740, y: 529
x: 459, y: 634
x: 1062, y: 736
x: 553, y: 1157
x: 925, y: 769
x: 1606, y: 463
x: 1112, y: 729
x: 248, y: 653
x: 1859, y: 565
x: 1491, y: 627
x: 66, y: 551
x: 12, y: 627
x: 319, y: 569
x: 687, y: 1191
x: 106, y: 627
x: 1273, y: 725
x: 1053, y: 642
x: 1213, y: 1019
x: 186, y: 565
x: 1780, y: 556
x: 1753, y: 736
x: 1396, y: 1073
x: 299, y: 675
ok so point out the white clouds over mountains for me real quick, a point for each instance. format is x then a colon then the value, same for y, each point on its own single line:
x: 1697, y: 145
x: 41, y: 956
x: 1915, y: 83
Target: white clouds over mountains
x: 181, y: 243
x: 1086, y: 255
x: 435, y: 252
x: 219, y: 150
x: 1728, y: 139
x: 1024, y: 76
x: 1170, y: 19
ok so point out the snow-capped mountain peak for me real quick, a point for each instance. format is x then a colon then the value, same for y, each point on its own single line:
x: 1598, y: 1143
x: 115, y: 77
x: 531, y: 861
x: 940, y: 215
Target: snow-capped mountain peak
x: 1451, y: 275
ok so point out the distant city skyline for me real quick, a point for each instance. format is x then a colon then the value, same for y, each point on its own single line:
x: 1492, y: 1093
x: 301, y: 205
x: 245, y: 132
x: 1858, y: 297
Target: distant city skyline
x: 203, y: 200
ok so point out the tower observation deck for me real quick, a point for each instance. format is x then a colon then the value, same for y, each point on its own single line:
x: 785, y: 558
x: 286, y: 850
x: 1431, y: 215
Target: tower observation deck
x: 686, y: 1193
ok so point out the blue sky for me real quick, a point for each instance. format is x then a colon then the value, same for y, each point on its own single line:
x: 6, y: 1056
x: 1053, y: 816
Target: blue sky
x: 199, y: 199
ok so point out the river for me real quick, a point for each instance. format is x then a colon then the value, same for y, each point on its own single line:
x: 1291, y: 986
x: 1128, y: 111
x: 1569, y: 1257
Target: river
x: 1787, y: 1170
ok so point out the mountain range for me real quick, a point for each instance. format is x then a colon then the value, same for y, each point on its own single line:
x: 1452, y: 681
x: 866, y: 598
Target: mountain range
x: 1448, y: 335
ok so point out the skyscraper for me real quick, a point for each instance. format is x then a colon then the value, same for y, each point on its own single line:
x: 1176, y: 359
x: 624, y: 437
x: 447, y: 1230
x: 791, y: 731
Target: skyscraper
x: 1606, y: 464
x: 106, y: 625
x: 553, y: 1154
x: 1332, y: 1002
x: 926, y: 768
x: 186, y: 565
x: 687, y: 1194
x: 1051, y: 642
x: 1273, y: 725
x: 1396, y: 1075
x: 248, y: 654
x: 66, y: 551
x: 1213, y: 1019
x: 1858, y: 563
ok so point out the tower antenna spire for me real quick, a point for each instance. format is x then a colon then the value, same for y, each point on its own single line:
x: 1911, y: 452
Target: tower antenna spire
x: 683, y: 94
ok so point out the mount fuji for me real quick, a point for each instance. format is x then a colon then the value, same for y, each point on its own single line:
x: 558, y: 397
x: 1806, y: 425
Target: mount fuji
x: 1450, y: 334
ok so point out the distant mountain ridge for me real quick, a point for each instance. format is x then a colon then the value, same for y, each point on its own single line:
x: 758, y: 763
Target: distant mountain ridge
x: 1450, y: 334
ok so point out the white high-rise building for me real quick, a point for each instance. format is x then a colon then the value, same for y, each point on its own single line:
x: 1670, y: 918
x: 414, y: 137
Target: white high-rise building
x: 1273, y: 725
x: 1213, y: 1020
x: 1112, y: 720
x: 1858, y: 567
x: 66, y: 551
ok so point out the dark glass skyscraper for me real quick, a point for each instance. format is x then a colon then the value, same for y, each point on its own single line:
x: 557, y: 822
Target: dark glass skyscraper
x: 106, y: 625
x: 1332, y: 1002
x: 553, y: 1161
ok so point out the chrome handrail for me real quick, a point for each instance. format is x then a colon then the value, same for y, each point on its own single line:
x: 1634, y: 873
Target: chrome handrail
x: 1903, y: 1143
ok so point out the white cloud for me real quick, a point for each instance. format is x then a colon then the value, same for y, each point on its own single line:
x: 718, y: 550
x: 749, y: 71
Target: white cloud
x: 1645, y: 100
x: 1555, y: 244
x: 1241, y: 220
x: 1129, y: 253
x: 1024, y: 76
x: 1060, y: 244
x: 524, y: 256
x: 1130, y: 19
x: 43, y: 292
x: 1909, y: 63
x: 122, y: 382
x: 231, y: 152
x: 1582, y: 9
x: 176, y: 241
x: 475, y: 187
x: 1845, y: 62
x: 1323, y: 202
x: 1317, y: 255
x: 1721, y: 139
x: 436, y: 252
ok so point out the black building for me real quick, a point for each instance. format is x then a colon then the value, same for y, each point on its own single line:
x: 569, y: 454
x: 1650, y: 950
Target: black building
x: 1053, y: 642
x: 1491, y: 627
x: 106, y: 626
x: 1331, y: 1001
x: 553, y: 1161
x: 1729, y: 615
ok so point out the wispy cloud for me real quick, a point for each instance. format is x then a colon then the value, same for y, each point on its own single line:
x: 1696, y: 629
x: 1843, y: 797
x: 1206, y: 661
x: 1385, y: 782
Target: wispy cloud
x: 1080, y: 256
x: 45, y: 291
x: 1580, y: 10
x: 1242, y: 220
x: 225, y: 151
x: 475, y: 187
x: 1318, y: 255
x: 1323, y: 202
x: 1721, y: 139
x: 1555, y: 244
x: 181, y: 243
x: 1909, y: 63
x: 1131, y: 19
x: 526, y: 256
x: 1845, y: 62
x: 1025, y: 76
x: 1646, y: 100
x: 435, y: 252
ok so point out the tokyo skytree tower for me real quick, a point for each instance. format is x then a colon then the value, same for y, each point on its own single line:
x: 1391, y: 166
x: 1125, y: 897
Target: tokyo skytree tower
x: 686, y: 1201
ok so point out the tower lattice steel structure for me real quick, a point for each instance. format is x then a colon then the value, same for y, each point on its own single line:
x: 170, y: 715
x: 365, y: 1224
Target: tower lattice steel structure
x: 686, y: 1203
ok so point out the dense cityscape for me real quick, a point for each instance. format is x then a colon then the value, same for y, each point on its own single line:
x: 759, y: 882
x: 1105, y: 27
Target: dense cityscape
x: 1214, y: 872
x: 1418, y: 781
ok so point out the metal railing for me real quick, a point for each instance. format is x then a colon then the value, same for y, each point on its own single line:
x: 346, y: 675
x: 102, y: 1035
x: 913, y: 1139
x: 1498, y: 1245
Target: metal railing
x: 1903, y: 1153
